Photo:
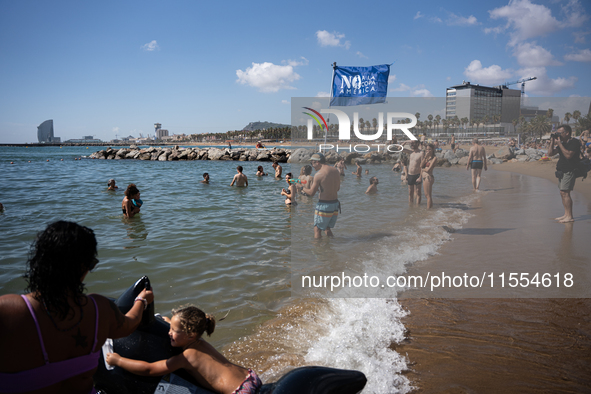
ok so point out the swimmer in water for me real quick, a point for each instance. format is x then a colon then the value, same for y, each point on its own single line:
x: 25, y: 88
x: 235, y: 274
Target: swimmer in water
x: 111, y: 185
x: 291, y: 192
x: 127, y: 205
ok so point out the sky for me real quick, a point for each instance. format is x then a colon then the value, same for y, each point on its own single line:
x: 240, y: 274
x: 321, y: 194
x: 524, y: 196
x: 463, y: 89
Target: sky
x: 114, y: 68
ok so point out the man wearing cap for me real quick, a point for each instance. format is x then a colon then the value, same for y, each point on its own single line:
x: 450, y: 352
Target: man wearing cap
x: 328, y: 181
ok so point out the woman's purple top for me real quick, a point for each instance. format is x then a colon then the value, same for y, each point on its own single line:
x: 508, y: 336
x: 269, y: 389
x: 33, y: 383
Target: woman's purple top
x: 50, y: 373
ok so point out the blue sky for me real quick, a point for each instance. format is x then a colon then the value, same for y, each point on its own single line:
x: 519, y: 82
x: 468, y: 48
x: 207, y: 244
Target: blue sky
x: 115, y: 68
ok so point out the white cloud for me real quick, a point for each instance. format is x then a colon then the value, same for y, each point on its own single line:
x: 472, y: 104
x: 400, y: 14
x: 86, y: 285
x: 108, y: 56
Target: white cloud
x: 418, y: 15
x: 580, y: 36
x: 417, y: 91
x: 151, y: 46
x: 544, y: 85
x: 436, y: 19
x: 285, y: 102
x: 532, y: 55
x: 391, y: 78
x: 322, y: 94
x: 420, y: 92
x: 268, y: 77
x: 584, y: 55
x: 486, y: 75
x: 494, y: 30
x: 326, y: 39
x: 448, y: 79
x: 116, y: 130
x: 574, y: 13
x: 455, y: 20
x: 401, y: 88
x: 361, y: 55
x: 294, y: 63
x: 527, y: 20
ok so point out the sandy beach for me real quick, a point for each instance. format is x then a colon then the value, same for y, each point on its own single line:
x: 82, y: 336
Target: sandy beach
x: 509, y: 345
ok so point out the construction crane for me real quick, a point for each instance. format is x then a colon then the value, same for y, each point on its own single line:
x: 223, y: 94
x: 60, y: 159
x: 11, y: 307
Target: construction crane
x: 522, y: 82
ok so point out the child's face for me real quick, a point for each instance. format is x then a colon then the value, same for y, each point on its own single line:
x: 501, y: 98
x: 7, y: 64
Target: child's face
x: 178, y: 338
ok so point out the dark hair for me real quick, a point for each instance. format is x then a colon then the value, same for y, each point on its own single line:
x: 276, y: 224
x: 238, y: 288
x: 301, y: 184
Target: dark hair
x: 205, y: 174
x: 239, y: 168
x: 566, y: 128
x: 372, y: 180
x: 194, y: 320
x: 289, y: 175
x: 307, y: 169
x: 58, y: 258
x: 131, y: 190
x: 260, y: 168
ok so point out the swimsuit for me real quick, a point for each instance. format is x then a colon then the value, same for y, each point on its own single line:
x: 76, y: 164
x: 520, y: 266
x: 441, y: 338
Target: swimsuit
x: 326, y: 214
x: 412, y: 179
x: 428, y: 177
x: 477, y: 164
x: 50, y: 373
x: 251, y: 385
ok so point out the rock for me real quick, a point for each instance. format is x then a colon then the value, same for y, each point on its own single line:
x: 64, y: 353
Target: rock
x: 144, y: 156
x: 263, y: 156
x: 522, y: 157
x: 301, y: 155
x: 504, y: 153
x: 449, y: 155
x: 455, y: 160
x: 215, y: 153
x: 463, y: 161
x: 461, y: 153
x: 164, y: 155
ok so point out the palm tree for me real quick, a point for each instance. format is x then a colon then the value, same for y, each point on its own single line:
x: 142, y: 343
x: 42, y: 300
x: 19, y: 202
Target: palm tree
x: 418, y: 115
x: 361, y: 123
x: 374, y: 123
x: 567, y: 117
x: 576, y: 116
x: 514, y: 121
x: 437, y: 120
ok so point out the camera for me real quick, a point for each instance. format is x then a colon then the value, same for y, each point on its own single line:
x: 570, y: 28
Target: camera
x: 555, y: 135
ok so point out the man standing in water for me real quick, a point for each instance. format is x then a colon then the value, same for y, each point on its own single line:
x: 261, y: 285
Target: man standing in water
x: 569, y: 151
x: 328, y: 181
x: 240, y: 179
x: 413, y: 172
x: 278, y: 170
x: 476, y: 161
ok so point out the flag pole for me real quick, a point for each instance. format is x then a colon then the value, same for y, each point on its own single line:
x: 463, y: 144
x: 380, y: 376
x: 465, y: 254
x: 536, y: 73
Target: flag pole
x: 334, y: 67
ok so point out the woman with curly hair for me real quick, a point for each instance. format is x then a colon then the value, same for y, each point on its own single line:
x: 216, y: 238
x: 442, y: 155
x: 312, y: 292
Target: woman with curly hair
x: 51, y: 338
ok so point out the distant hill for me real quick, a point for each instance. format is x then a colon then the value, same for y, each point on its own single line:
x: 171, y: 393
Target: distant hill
x: 252, y: 126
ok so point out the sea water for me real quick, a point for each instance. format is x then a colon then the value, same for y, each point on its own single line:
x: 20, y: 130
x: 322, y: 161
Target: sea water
x: 235, y: 251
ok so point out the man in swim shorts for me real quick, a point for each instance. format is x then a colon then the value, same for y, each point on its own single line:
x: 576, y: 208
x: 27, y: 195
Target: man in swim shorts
x: 328, y: 181
x: 413, y: 172
x: 476, y: 162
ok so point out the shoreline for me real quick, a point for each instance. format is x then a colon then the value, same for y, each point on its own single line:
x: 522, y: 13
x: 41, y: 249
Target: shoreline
x: 510, y: 345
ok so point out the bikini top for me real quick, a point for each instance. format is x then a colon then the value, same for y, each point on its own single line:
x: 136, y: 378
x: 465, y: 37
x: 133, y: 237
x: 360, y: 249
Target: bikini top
x: 50, y: 373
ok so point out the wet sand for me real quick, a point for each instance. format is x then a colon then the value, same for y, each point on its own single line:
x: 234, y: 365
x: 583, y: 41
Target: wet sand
x: 509, y: 345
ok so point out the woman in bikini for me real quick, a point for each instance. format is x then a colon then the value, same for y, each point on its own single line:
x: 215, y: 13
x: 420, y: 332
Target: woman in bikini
x: 427, y: 166
x: 131, y: 203
x: 291, y: 192
x: 51, y: 338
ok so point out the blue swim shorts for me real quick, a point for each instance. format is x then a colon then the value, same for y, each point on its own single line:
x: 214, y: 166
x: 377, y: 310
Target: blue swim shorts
x: 326, y: 214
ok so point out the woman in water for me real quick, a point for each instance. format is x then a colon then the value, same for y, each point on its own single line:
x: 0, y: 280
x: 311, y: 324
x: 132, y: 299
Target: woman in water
x: 291, y: 192
x: 260, y: 171
x: 131, y: 203
x: 208, y: 366
x: 51, y: 338
x: 427, y: 166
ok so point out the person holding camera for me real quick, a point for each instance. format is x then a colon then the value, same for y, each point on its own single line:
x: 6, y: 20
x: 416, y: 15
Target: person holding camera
x: 569, y: 150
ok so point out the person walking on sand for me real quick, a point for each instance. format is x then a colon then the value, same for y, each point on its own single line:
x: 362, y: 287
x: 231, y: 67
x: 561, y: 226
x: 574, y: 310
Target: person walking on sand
x: 278, y: 169
x: 427, y: 166
x: 240, y: 179
x: 412, y: 171
x: 476, y: 162
x: 569, y: 152
x: 328, y: 181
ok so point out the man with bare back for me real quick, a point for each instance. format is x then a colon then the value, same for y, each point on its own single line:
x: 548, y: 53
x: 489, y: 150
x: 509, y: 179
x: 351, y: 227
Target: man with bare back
x: 328, y: 181
x: 476, y: 162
